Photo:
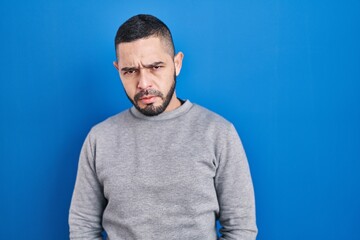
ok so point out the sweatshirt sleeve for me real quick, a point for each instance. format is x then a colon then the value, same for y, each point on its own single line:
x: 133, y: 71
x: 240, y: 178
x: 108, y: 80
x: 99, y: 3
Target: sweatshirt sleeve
x: 88, y: 201
x: 235, y: 191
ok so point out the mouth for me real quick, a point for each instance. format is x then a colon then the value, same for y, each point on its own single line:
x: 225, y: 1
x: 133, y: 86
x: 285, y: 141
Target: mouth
x: 148, y: 96
x: 147, y: 99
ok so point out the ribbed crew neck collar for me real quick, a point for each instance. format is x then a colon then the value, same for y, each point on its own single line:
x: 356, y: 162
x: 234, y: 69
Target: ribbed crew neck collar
x: 165, y: 115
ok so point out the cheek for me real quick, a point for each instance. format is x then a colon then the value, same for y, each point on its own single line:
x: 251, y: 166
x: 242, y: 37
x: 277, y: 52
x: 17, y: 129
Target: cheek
x: 167, y: 79
x: 130, y: 88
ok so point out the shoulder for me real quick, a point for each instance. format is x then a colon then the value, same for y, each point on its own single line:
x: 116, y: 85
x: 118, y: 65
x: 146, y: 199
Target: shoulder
x: 111, y: 124
x: 215, y: 129
x: 207, y: 116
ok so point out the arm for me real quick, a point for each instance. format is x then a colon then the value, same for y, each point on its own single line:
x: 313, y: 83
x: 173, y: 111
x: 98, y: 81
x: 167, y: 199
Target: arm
x: 235, y: 191
x: 88, y: 202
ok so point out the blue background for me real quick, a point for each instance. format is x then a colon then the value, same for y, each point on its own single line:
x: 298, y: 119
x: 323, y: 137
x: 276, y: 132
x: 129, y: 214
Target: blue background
x: 286, y: 73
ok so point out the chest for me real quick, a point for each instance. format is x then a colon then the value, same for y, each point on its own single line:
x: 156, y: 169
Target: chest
x: 133, y: 164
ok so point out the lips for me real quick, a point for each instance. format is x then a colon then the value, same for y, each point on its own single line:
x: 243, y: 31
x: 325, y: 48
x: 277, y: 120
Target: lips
x: 147, y: 99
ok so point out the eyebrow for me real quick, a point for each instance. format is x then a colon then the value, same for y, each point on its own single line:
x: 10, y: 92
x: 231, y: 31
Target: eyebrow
x: 155, y: 64
x: 127, y: 69
x: 151, y: 65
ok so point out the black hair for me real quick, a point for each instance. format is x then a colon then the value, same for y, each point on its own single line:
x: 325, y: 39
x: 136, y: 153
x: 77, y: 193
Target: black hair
x: 144, y: 26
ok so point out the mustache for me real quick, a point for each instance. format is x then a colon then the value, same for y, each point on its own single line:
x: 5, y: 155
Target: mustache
x: 146, y: 92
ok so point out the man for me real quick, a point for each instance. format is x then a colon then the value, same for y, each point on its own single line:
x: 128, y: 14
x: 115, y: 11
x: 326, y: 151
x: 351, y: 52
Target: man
x: 166, y: 168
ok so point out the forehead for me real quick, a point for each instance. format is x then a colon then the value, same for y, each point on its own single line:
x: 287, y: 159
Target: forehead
x: 147, y: 49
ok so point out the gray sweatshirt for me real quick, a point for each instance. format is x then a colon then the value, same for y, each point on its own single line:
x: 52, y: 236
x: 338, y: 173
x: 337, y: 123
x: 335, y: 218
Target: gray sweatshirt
x: 166, y: 177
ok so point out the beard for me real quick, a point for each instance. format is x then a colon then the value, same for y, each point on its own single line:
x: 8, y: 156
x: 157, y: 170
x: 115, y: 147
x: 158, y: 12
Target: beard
x: 150, y: 109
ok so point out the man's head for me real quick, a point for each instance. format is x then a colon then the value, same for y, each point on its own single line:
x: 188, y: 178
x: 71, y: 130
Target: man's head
x: 144, y: 26
x: 147, y: 64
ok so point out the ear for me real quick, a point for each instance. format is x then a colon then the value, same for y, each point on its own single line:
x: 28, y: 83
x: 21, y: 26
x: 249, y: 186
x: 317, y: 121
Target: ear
x: 178, y: 62
x: 116, y: 65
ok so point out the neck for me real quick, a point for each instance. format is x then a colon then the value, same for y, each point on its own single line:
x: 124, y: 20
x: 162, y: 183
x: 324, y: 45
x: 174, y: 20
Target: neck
x: 174, y: 103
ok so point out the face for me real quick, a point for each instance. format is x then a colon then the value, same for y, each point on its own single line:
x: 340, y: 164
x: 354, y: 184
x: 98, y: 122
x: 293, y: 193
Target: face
x: 147, y: 71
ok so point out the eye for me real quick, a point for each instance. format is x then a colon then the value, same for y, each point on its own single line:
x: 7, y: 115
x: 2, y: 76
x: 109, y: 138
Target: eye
x: 129, y: 72
x: 156, y: 67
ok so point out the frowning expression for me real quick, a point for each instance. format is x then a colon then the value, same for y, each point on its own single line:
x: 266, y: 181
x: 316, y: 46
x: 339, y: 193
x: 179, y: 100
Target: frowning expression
x: 147, y: 71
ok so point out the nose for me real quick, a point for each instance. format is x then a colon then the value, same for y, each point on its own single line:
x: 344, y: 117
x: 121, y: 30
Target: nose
x: 144, y: 81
